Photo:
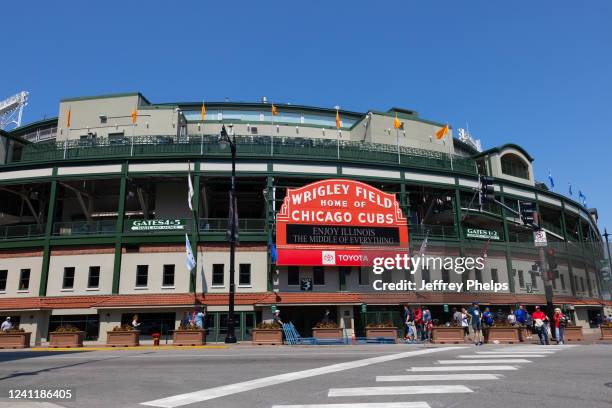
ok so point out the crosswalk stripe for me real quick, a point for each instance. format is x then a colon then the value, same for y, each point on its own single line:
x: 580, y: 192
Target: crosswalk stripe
x: 399, y: 390
x: 491, y: 360
x: 415, y: 404
x: 464, y: 368
x: 501, y: 355
x: 493, y: 353
x: 438, y: 377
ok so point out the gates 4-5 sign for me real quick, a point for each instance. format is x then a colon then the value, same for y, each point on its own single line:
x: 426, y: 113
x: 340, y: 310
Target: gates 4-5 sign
x: 539, y: 238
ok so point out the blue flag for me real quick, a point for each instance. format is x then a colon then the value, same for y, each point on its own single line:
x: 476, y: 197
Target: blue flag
x: 570, y: 189
x: 272, y: 248
x: 582, y: 198
x: 189, y: 260
x: 550, y: 180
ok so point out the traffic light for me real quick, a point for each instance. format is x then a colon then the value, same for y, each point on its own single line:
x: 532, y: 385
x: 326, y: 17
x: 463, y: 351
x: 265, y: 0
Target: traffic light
x: 527, y: 209
x: 487, y: 190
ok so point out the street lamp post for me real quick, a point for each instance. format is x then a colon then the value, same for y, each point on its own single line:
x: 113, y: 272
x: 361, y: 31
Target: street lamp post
x: 606, y: 235
x: 230, y: 337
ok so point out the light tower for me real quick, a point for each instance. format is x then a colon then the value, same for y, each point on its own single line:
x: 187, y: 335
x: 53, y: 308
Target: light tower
x: 11, y: 110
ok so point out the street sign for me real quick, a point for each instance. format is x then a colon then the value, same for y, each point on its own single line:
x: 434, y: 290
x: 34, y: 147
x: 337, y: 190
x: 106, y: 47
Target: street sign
x: 539, y: 238
x: 157, y: 225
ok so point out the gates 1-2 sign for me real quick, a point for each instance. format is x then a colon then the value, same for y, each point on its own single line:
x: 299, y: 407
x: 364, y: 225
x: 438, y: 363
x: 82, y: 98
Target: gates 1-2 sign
x: 339, y: 222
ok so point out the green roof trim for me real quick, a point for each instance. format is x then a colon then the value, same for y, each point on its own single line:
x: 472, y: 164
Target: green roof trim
x: 43, y: 123
x: 13, y: 137
x: 499, y: 149
x: 403, y: 113
x: 115, y: 95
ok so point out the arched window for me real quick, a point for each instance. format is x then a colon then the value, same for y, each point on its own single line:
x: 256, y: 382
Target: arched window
x: 513, y: 165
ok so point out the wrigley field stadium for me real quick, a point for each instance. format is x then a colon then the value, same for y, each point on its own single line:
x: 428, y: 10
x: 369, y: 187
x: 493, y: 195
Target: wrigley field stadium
x: 121, y: 206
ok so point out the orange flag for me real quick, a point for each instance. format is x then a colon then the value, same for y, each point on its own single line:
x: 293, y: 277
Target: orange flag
x: 134, y: 115
x: 396, y: 123
x: 203, y: 111
x: 274, y: 112
x: 68, y: 120
x: 338, y: 123
x: 442, y: 132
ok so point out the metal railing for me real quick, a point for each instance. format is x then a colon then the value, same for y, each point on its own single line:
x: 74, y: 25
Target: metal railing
x: 433, y: 231
x: 208, y: 145
x: 216, y: 225
x: 22, y: 231
x: 84, y: 228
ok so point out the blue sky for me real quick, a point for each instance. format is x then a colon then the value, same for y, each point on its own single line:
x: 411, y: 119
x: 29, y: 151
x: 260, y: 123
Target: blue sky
x: 536, y: 73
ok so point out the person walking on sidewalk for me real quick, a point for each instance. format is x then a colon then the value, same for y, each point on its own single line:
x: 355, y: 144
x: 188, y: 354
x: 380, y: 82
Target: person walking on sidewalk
x: 540, y: 321
x: 477, y: 324
x: 427, y: 324
x: 560, y: 324
x: 6, y: 325
x: 464, y: 322
x: 407, y: 322
x: 418, y: 322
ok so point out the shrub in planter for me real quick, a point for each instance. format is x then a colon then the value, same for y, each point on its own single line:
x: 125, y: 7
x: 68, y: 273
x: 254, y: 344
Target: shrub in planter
x: 447, y: 334
x: 502, y: 333
x: 15, y: 338
x: 385, y: 330
x: 66, y: 336
x: 267, y: 333
x: 572, y: 333
x: 327, y: 331
x: 189, y: 335
x: 123, y: 336
x: 606, y: 331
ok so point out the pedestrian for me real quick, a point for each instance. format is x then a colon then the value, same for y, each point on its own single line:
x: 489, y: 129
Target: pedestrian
x: 465, y: 323
x: 456, y: 317
x: 560, y: 324
x: 511, y: 318
x: 276, y: 318
x: 427, y: 324
x: 135, y: 322
x: 529, y: 325
x: 476, y: 324
x: 597, y: 321
x: 609, y: 319
x: 6, y: 325
x: 326, y: 316
x: 407, y: 321
x: 199, y: 318
x: 418, y: 322
x: 540, y: 322
x: 487, y: 318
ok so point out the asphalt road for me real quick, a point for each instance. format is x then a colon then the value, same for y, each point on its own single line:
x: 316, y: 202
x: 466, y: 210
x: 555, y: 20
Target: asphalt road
x: 381, y: 376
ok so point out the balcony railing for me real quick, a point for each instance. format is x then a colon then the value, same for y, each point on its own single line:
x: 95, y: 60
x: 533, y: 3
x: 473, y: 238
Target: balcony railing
x: 22, y: 231
x: 84, y: 228
x: 247, y: 146
x: 216, y: 225
x: 433, y: 231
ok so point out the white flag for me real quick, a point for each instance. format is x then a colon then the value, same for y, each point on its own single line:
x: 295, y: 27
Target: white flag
x: 424, y: 245
x: 190, y: 193
x: 189, y: 260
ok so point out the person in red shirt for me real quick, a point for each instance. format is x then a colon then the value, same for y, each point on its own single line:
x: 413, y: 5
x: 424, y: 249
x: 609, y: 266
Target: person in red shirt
x: 560, y: 322
x: 540, y: 322
x: 418, y: 322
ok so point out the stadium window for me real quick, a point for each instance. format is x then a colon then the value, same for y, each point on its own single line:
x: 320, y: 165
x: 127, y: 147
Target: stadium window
x: 93, y: 280
x: 445, y: 275
x: 494, y: 275
x: 478, y: 275
x: 364, y: 275
x: 68, y: 281
x: 318, y: 274
x: 562, y: 278
x: 218, y: 276
x: 534, y: 280
x: 293, y: 275
x: 425, y: 275
x: 24, y: 279
x: 244, y: 277
x: 554, y: 284
x: 521, y: 276
x: 581, y: 284
x: 3, y: 276
x: 168, y: 275
x: 513, y: 165
x: 142, y: 276
x: 387, y: 276
x: 464, y: 278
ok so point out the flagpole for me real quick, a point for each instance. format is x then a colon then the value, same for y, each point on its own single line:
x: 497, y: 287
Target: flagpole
x: 338, y: 143
x: 449, y: 150
x: 272, y: 131
x: 399, y: 158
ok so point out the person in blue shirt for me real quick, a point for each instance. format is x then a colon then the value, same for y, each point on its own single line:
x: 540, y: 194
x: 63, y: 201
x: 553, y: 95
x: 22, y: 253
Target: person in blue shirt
x: 521, y: 314
x: 487, y: 317
x: 407, y: 320
x: 476, y: 316
x: 199, y: 319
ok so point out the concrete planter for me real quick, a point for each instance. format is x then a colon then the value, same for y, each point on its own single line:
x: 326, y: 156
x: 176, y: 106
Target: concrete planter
x: 573, y: 333
x: 327, y: 334
x: 189, y: 337
x: 15, y: 340
x: 447, y: 335
x: 128, y: 338
x: 381, y: 332
x: 606, y: 332
x: 73, y: 339
x: 267, y: 336
x: 502, y: 334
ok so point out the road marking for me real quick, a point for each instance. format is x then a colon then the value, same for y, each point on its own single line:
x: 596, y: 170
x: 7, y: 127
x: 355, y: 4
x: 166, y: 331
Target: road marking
x: 501, y: 355
x: 399, y: 390
x: 464, y: 368
x: 438, y: 377
x: 416, y: 404
x: 491, y: 360
x: 222, y: 391
x: 514, y: 352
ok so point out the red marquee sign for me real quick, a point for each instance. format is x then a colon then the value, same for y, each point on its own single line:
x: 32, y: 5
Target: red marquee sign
x: 339, y: 222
